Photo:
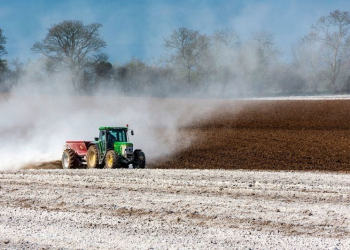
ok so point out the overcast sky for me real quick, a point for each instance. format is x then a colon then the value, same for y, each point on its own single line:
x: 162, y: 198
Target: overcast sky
x: 136, y: 28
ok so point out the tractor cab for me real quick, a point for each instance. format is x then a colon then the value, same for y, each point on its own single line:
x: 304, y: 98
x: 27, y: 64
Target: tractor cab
x: 118, y: 134
x: 109, y: 135
x: 115, y: 138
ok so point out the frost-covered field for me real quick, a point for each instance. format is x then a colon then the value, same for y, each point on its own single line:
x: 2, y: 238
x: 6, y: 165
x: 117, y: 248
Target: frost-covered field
x: 141, y: 209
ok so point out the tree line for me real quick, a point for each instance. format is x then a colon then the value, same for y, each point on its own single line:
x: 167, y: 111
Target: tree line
x: 221, y: 64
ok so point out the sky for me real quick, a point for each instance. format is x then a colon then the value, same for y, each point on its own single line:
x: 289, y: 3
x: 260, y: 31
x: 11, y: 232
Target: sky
x: 135, y: 28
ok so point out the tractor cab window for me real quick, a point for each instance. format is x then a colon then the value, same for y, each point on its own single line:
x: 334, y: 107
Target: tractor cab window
x: 102, y: 135
x: 118, y: 135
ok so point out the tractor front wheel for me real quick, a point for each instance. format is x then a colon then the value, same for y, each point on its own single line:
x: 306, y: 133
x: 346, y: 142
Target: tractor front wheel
x: 92, y: 157
x: 139, y: 159
x: 111, y: 160
x: 69, y: 159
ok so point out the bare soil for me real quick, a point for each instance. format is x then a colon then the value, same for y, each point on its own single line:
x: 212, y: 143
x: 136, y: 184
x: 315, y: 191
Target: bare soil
x: 269, y: 135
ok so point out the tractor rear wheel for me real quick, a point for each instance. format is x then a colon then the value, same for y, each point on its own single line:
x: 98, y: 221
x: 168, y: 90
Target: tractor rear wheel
x: 92, y: 157
x: 70, y: 159
x: 111, y: 160
x: 139, y: 159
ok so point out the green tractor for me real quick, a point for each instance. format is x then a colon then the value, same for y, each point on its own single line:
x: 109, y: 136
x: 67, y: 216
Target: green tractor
x: 111, y: 149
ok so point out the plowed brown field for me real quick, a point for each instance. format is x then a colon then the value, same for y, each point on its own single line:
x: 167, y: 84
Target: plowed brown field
x: 270, y: 135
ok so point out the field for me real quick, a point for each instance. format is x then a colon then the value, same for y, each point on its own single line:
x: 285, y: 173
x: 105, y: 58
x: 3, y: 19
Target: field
x: 145, y: 209
x: 221, y: 174
x: 270, y: 135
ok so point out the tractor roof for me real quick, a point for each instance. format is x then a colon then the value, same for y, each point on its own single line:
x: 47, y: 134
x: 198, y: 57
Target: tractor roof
x: 103, y: 128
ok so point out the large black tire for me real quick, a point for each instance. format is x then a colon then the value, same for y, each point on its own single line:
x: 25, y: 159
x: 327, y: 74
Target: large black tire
x: 70, y: 159
x: 92, y: 157
x: 111, y: 160
x: 139, y: 159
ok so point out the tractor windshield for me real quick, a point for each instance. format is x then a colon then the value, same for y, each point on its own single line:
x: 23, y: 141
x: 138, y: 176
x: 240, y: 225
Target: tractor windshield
x: 118, y: 135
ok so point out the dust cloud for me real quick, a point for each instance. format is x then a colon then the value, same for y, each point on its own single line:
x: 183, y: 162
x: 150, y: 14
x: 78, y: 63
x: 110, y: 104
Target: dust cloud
x: 35, y: 125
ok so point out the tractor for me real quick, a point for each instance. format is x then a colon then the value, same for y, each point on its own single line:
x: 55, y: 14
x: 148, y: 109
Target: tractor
x: 111, y: 149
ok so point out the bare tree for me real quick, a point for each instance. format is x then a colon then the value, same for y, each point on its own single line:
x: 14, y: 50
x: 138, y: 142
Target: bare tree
x: 2, y: 43
x: 221, y: 66
x: 132, y: 76
x: 228, y: 37
x: 17, y: 70
x: 266, y: 53
x: 332, y: 33
x: 188, y: 48
x: 265, y: 46
x: 3, y: 51
x: 75, y: 47
x: 307, y: 62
